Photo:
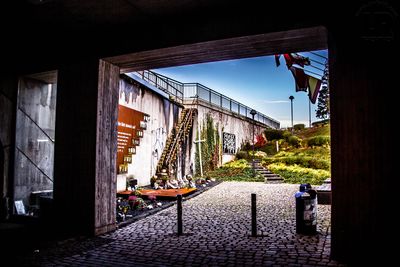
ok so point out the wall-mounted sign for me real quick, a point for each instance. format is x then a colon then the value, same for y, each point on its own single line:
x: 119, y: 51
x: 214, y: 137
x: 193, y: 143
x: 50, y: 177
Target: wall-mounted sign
x: 129, y: 122
x: 128, y: 159
x: 136, y: 141
x: 228, y: 143
x: 132, y: 150
x: 122, y: 168
x: 19, y: 207
x: 139, y: 133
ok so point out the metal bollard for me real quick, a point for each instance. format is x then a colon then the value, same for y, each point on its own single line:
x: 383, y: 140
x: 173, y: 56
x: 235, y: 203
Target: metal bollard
x: 253, y: 215
x: 179, y: 209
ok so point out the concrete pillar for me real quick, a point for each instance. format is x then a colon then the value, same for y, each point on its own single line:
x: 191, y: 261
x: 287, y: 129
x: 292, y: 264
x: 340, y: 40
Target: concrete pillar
x: 362, y: 138
x: 85, y: 154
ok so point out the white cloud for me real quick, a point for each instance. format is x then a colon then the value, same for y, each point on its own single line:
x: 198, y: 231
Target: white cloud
x: 288, y: 123
x: 275, y: 101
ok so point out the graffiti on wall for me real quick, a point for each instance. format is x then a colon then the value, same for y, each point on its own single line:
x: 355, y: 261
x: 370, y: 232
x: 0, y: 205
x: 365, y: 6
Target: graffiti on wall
x: 129, y: 89
x: 160, y: 136
x: 228, y: 143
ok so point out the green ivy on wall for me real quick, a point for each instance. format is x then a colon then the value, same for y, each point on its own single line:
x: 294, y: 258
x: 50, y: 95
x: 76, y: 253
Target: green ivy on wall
x: 210, y: 148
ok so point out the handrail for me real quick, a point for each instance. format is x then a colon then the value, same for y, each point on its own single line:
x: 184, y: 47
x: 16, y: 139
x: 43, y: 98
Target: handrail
x: 179, y: 133
x: 210, y: 92
x: 34, y: 122
x: 169, y: 151
x: 220, y: 98
x: 33, y: 163
x: 166, y: 80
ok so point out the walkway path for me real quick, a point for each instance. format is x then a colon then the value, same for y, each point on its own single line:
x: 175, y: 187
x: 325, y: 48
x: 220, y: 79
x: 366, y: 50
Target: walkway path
x: 217, y: 228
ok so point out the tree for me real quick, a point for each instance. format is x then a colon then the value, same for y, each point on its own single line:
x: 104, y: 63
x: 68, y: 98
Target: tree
x: 323, y: 111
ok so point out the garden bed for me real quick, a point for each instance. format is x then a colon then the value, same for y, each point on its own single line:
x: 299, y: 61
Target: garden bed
x: 133, y: 215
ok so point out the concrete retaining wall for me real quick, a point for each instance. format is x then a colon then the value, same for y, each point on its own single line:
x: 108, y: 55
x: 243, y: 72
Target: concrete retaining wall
x: 164, y: 114
x: 238, y: 126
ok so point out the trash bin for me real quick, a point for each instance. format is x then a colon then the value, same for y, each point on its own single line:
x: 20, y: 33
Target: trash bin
x: 306, y: 210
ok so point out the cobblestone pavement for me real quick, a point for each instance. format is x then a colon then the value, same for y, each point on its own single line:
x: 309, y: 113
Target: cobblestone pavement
x: 216, y: 233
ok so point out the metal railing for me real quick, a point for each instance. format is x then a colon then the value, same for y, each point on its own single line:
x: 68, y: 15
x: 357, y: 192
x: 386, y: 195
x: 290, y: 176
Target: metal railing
x: 196, y: 90
x: 170, y: 86
x: 182, y: 91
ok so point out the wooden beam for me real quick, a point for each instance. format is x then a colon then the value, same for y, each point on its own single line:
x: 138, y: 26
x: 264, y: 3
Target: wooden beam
x: 232, y: 48
x: 106, y: 147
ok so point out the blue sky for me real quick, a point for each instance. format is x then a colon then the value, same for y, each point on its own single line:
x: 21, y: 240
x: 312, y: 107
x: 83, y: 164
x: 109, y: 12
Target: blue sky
x: 255, y: 82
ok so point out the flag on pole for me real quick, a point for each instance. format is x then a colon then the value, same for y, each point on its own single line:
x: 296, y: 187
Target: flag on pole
x: 301, y: 79
x: 277, y: 62
x: 314, y: 85
x: 296, y: 59
x: 288, y: 59
x: 300, y: 60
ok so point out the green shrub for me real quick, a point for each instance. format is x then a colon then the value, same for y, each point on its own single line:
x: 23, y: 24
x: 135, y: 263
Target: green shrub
x: 286, y: 135
x: 316, y: 158
x: 298, y: 127
x: 246, y: 146
x: 242, y: 154
x: 259, y: 154
x: 269, y: 149
x: 241, y: 164
x: 298, y: 175
x: 273, y: 134
x: 294, y: 141
x: 319, y: 140
x: 303, y: 161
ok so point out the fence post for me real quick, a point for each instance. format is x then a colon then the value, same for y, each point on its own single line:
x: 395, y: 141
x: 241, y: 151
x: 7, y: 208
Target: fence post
x: 179, y: 209
x: 253, y: 215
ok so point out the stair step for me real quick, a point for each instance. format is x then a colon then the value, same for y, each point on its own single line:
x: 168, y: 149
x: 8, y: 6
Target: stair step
x: 270, y: 175
x: 174, y: 140
x: 274, y: 178
x: 264, y: 171
x: 274, y: 182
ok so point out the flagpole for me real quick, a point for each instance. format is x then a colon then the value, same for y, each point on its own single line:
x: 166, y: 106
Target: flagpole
x: 309, y: 112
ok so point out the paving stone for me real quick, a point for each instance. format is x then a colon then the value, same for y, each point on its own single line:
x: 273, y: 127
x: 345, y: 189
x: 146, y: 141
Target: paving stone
x: 217, y: 223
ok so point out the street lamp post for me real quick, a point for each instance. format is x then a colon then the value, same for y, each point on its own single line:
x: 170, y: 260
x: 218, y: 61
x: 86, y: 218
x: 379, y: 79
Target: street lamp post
x: 291, y: 109
x: 253, y: 112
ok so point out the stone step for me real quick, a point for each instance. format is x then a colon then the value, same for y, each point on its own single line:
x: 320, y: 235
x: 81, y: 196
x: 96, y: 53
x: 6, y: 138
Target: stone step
x: 277, y: 178
x: 270, y: 175
x: 265, y: 172
x: 273, y: 179
x: 274, y: 182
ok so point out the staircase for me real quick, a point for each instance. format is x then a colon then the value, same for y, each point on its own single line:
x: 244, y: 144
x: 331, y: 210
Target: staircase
x: 270, y: 177
x: 176, y: 138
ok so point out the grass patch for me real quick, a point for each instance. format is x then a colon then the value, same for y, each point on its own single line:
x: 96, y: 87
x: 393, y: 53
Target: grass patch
x: 319, y: 140
x: 314, y: 131
x: 295, y: 174
x: 316, y: 158
x: 238, y: 170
